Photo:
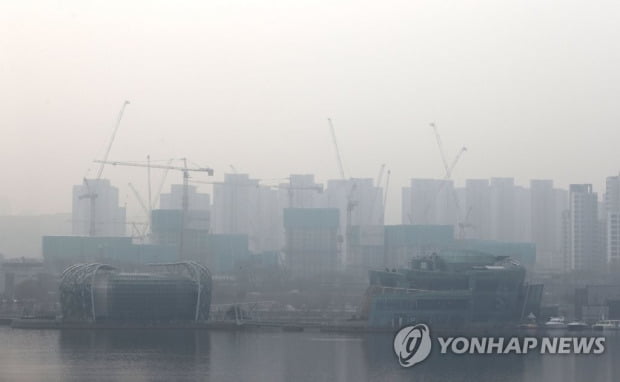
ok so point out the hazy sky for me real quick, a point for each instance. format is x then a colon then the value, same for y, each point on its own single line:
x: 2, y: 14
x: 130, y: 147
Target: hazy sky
x: 530, y: 87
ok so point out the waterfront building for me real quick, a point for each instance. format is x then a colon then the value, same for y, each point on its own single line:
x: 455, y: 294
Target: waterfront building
x: 451, y: 289
x: 170, y: 292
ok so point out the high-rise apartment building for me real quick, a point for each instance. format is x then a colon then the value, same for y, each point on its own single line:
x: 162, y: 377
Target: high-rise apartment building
x: 301, y: 191
x: 198, y: 206
x: 312, y: 242
x: 359, y: 203
x: 109, y: 218
x: 430, y: 202
x: 583, y: 241
x: 543, y: 224
x: 477, y: 215
x: 242, y: 206
x: 523, y: 215
x: 174, y: 199
x: 503, y: 202
x: 612, y: 221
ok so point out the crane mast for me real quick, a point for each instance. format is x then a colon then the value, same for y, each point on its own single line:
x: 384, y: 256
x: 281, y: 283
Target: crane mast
x: 440, y: 146
x: 185, y: 201
x: 448, y: 168
x: 333, y: 132
x: 109, y: 147
x: 90, y: 194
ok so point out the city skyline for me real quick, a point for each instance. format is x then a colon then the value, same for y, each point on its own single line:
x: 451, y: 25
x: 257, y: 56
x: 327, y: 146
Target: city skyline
x: 529, y: 91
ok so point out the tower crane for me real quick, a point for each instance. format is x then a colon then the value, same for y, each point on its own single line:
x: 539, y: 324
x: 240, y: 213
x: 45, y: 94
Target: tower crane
x: 145, y: 209
x: 333, y: 132
x: 448, y: 172
x: 351, y: 204
x: 185, y: 200
x: 440, y: 146
x: 161, y: 184
x: 91, y: 195
x: 463, y: 225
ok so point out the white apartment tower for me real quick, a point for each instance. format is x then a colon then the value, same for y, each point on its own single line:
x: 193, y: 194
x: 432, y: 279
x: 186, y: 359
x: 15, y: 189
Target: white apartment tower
x: 109, y: 218
x: 359, y: 202
x: 583, y: 249
x: 242, y: 206
x: 174, y: 199
x: 477, y: 211
x: 430, y: 201
x: 503, y: 202
x: 544, y: 224
x: 612, y: 210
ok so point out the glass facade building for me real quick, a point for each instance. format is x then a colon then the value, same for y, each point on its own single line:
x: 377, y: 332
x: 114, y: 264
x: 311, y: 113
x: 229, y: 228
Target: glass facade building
x: 172, y: 292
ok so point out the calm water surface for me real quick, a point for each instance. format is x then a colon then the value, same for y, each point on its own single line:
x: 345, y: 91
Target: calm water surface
x: 180, y: 355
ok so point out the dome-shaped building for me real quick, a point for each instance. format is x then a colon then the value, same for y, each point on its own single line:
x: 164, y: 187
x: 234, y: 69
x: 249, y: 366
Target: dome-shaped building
x: 171, y: 292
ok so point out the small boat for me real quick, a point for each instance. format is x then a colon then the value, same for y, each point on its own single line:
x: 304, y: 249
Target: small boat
x: 577, y: 325
x: 556, y: 323
x: 607, y: 325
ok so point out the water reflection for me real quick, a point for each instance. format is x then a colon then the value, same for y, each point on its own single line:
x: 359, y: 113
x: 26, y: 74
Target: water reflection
x: 186, y: 355
x: 134, y: 354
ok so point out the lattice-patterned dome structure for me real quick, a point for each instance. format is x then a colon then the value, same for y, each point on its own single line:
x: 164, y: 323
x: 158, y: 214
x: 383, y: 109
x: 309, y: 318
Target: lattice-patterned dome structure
x: 170, y: 292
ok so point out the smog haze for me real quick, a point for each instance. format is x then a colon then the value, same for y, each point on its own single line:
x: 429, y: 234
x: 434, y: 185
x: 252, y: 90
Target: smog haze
x: 529, y: 87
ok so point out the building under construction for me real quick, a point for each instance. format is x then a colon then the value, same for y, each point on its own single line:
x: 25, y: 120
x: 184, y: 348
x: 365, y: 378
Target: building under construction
x: 171, y: 292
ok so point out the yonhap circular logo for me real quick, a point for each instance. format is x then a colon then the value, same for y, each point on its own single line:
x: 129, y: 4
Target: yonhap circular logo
x: 412, y: 344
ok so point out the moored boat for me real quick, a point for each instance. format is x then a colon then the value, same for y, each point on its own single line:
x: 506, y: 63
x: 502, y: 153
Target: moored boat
x: 607, y: 325
x: 577, y: 325
x: 556, y: 323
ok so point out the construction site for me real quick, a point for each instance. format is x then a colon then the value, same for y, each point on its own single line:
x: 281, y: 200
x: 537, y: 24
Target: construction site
x: 290, y: 247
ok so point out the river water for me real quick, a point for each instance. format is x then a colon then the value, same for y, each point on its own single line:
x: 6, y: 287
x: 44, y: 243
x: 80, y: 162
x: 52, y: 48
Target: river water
x: 185, y: 355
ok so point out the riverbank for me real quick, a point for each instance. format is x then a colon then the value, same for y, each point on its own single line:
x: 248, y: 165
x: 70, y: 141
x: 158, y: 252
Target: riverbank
x: 344, y: 327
